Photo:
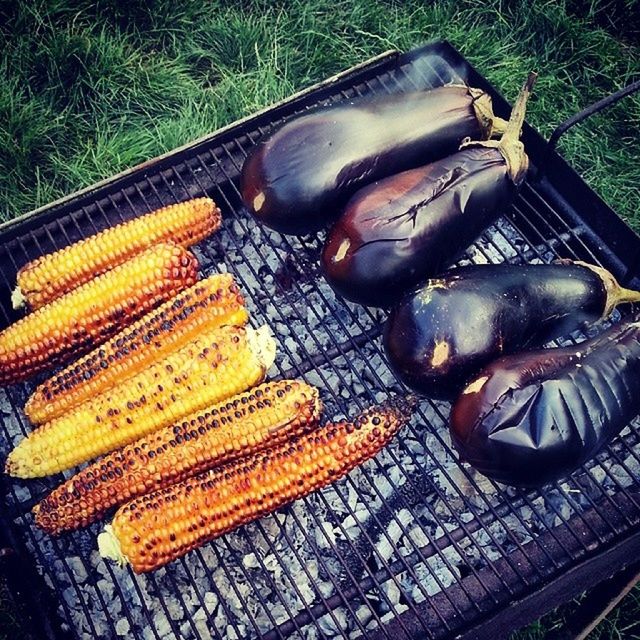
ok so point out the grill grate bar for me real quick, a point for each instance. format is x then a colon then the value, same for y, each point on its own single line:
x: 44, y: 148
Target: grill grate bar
x: 228, y: 574
x: 222, y: 597
x: 150, y: 207
x: 299, y: 369
x: 441, y: 543
x: 388, y: 90
x: 494, y: 245
x: 521, y: 214
x: 529, y: 190
x: 374, y: 487
x: 257, y: 555
x: 356, y: 347
x: 345, y: 502
x: 56, y: 545
x: 328, y: 304
x: 574, y: 255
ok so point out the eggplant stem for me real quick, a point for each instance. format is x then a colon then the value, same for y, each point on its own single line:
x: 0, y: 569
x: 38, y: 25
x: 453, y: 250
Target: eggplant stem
x: 514, y: 126
x: 490, y: 124
x: 621, y: 295
x: 509, y: 144
x: 615, y: 293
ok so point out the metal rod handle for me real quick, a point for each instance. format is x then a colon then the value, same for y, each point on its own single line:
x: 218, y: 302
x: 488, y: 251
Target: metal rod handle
x: 589, y: 111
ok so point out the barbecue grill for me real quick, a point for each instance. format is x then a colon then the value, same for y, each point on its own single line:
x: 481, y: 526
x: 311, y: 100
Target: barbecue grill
x: 412, y: 544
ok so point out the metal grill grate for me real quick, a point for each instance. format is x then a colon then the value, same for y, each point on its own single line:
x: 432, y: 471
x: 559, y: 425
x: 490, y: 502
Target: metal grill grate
x: 411, y: 544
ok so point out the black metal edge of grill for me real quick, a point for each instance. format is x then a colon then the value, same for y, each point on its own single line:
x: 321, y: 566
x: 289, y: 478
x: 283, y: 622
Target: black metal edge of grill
x: 529, y: 604
x: 603, y: 232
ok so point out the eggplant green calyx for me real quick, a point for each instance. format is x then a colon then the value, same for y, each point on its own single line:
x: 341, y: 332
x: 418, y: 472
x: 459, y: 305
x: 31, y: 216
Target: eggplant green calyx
x: 490, y: 124
x: 615, y: 293
x: 509, y: 144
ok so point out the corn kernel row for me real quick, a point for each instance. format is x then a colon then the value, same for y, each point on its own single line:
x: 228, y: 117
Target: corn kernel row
x: 89, y: 315
x: 267, y: 415
x: 161, y: 526
x: 55, y: 274
x: 219, y: 364
x: 210, y: 303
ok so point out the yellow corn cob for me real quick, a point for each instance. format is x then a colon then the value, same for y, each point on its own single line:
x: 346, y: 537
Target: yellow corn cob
x: 55, y: 274
x: 209, y: 303
x: 92, y: 313
x: 265, y: 416
x: 161, y: 526
x: 219, y: 364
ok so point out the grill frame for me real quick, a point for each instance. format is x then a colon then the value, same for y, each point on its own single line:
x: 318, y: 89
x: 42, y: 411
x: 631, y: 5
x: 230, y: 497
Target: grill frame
x: 564, y: 193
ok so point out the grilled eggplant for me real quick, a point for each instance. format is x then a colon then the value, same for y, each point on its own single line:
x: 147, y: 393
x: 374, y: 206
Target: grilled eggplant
x: 298, y: 179
x: 444, y: 332
x: 403, y: 229
x: 532, y: 418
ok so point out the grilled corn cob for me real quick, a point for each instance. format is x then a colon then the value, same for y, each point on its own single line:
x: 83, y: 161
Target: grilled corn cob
x: 265, y: 416
x: 219, y: 364
x: 92, y: 313
x: 159, y: 527
x: 54, y: 274
x: 209, y: 303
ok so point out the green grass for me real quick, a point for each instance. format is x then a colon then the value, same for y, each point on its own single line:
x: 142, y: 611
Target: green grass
x: 90, y: 88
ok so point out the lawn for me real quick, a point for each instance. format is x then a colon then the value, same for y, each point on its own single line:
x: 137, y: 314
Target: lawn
x: 90, y: 88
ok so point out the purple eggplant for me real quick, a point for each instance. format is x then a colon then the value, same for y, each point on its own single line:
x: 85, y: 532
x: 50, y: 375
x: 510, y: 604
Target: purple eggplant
x: 397, y: 232
x: 298, y: 179
x: 532, y: 418
x: 445, y: 331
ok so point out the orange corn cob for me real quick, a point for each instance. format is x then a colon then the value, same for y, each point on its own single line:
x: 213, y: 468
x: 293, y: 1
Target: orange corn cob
x: 265, y: 416
x: 92, y: 313
x: 55, y: 274
x: 219, y: 364
x: 209, y: 303
x: 157, y: 528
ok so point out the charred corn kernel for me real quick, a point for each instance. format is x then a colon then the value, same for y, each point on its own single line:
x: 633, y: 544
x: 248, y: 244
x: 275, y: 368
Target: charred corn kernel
x: 87, y: 316
x: 161, y: 526
x: 265, y: 416
x: 210, y: 303
x: 55, y: 274
x: 219, y: 364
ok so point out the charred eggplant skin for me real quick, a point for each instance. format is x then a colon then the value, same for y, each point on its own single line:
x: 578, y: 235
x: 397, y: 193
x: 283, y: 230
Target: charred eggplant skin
x: 445, y: 331
x: 532, y: 418
x: 298, y: 179
x: 406, y: 228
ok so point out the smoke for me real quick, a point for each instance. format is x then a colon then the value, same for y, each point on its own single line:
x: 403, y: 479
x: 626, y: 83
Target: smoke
x: 422, y: 70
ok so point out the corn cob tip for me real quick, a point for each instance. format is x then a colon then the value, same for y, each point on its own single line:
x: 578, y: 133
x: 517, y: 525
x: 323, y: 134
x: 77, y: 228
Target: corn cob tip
x: 109, y: 547
x: 17, y: 298
x: 14, y: 468
x: 262, y: 344
x: 17, y: 466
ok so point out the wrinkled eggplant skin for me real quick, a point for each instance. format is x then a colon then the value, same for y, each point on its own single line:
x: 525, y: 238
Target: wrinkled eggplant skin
x: 532, y: 418
x: 406, y: 228
x: 298, y: 179
x: 445, y: 331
